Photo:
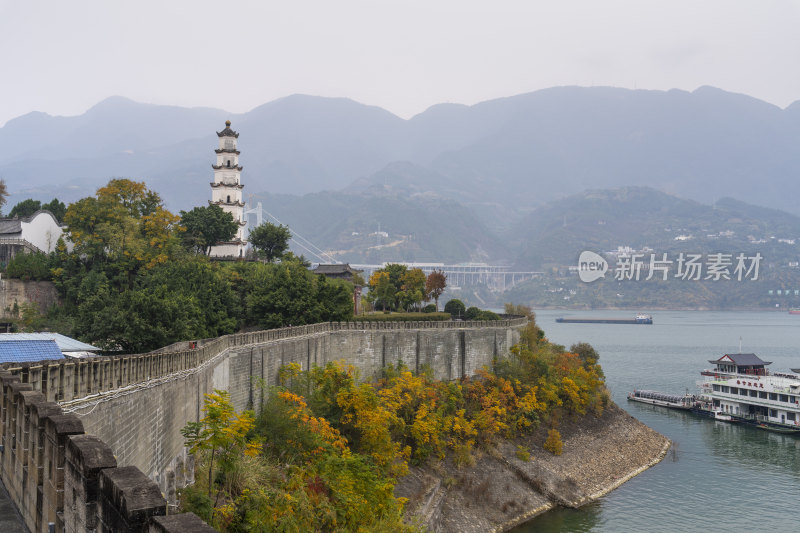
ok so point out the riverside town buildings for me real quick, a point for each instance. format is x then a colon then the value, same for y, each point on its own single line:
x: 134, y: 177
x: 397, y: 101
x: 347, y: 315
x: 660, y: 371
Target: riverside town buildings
x: 226, y: 191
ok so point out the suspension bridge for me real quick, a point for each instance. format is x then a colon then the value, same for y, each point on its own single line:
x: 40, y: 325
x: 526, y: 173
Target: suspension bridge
x: 495, y: 277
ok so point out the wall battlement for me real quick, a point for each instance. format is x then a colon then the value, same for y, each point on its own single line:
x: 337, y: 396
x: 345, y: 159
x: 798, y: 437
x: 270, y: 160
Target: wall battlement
x: 67, y: 426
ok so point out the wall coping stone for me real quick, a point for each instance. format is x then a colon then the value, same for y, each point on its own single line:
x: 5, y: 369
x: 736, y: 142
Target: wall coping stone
x: 134, y: 494
x: 67, y: 424
x: 32, y: 396
x: 17, y: 387
x: 180, y: 523
x: 44, y: 408
x: 90, y: 452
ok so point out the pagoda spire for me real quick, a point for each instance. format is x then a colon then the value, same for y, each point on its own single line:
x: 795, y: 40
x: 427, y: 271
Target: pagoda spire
x: 226, y: 190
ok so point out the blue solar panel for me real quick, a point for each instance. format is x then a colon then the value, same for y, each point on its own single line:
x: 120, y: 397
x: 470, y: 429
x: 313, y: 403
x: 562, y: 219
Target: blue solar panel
x: 29, y: 351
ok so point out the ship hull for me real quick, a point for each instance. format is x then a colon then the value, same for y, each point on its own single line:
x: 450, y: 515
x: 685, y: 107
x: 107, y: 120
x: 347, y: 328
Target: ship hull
x: 603, y: 321
x: 766, y: 426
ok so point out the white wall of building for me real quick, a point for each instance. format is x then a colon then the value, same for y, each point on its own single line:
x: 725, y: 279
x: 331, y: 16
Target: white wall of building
x: 42, y: 231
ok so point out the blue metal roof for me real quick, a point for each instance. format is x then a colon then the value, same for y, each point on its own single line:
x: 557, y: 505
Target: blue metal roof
x: 22, y: 351
x: 65, y: 344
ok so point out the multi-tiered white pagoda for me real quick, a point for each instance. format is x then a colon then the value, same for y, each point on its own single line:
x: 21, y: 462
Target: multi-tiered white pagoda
x: 226, y: 191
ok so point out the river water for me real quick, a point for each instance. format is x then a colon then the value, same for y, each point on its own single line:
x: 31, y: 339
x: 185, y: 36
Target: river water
x: 719, y: 476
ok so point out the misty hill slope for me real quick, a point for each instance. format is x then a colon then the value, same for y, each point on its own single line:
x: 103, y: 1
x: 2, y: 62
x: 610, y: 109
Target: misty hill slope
x: 602, y: 220
x: 115, y: 125
x: 418, y: 229
x: 700, y: 145
x: 502, y: 156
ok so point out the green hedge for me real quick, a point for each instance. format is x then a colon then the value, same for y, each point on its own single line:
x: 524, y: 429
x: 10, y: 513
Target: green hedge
x: 403, y: 317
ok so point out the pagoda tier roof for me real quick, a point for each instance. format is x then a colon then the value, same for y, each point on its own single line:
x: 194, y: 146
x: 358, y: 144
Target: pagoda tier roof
x: 227, y: 151
x: 222, y: 202
x: 227, y: 132
x: 233, y: 186
x: 220, y: 167
x: 740, y: 359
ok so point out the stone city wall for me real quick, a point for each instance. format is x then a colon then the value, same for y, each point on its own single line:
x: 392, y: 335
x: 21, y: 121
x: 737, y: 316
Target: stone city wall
x: 67, y: 426
x: 15, y: 293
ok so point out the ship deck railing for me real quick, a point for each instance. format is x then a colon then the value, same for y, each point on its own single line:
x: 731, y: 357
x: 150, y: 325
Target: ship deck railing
x: 767, y: 374
x: 662, y: 396
x: 782, y: 382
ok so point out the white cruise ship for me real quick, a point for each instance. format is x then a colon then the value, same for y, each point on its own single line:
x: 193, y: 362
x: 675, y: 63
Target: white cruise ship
x: 740, y: 389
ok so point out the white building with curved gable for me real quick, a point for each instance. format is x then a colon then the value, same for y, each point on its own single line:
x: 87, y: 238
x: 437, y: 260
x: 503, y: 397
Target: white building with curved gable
x: 37, y: 233
x: 226, y: 191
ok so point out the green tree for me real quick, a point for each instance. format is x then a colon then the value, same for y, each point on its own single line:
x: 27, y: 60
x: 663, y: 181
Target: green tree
x: 396, y: 272
x: 270, y: 241
x: 28, y: 207
x: 137, y: 320
x: 57, y: 208
x: 412, y: 288
x: 208, y: 284
x: 25, y: 208
x: 3, y: 193
x: 472, y: 313
x: 381, y: 289
x: 206, y: 226
x: 456, y: 308
x: 388, y: 286
x: 29, y: 266
x: 288, y: 293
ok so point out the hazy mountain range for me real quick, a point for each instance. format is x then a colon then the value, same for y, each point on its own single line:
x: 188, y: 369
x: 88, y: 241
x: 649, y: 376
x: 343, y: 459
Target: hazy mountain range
x: 517, y: 151
x: 499, y: 160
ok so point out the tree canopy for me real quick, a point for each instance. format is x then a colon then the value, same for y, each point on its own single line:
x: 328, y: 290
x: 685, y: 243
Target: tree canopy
x: 3, y: 193
x: 435, y: 284
x: 456, y: 308
x: 206, y: 226
x: 270, y: 241
x: 124, y: 222
x: 128, y: 285
x: 395, y: 286
x: 26, y: 208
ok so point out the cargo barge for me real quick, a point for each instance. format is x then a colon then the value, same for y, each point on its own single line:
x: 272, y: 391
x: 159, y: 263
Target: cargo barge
x: 638, y: 319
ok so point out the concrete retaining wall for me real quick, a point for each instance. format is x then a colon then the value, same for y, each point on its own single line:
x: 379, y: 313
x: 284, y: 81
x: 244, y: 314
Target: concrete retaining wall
x: 134, y: 407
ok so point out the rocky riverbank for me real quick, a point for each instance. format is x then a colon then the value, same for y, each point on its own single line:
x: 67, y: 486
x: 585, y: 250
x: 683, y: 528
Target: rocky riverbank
x: 501, y: 490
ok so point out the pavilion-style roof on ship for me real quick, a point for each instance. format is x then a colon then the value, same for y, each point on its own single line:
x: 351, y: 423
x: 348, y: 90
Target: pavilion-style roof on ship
x: 227, y: 132
x: 741, y: 359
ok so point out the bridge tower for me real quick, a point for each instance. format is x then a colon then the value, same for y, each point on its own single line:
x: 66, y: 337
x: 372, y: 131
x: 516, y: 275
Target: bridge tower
x: 226, y: 191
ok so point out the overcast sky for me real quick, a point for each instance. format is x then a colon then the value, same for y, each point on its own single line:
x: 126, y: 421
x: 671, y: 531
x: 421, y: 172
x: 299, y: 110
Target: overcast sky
x: 63, y: 57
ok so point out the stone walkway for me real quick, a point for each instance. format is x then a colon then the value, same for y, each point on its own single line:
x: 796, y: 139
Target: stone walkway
x: 10, y: 521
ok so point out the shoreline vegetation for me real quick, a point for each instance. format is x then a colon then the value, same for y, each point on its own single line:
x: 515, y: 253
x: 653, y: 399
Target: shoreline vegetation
x: 330, y: 452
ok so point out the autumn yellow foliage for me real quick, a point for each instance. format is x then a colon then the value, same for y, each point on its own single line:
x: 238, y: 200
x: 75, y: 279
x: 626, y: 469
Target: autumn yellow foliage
x: 333, y: 446
x: 553, y: 443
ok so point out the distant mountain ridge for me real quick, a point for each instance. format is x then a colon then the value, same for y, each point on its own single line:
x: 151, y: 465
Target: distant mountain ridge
x: 503, y: 156
x: 637, y: 217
